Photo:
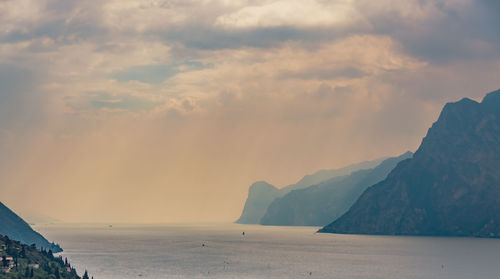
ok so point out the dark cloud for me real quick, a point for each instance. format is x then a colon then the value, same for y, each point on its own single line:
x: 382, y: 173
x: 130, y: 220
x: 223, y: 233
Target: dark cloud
x: 62, y: 21
x: 205, y: 37
x: 455, y: 36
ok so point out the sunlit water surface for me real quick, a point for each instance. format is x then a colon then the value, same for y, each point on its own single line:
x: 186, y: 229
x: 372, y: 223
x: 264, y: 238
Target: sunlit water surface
x: 221, y: 251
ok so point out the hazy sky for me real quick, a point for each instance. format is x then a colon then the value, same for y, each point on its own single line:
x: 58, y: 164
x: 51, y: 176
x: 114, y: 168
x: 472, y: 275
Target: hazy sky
x: 166, y: 111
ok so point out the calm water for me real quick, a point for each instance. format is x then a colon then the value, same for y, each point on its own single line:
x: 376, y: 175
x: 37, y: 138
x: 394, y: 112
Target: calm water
x: 177, y: 251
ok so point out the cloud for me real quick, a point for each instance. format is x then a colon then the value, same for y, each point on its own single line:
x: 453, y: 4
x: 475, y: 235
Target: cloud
x: 156, y: 73
x: 440, y: 31
x: 296, y: 13
x: 103, y: 100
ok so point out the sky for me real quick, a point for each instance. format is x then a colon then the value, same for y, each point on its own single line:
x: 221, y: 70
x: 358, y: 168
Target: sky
x: 167, y: 110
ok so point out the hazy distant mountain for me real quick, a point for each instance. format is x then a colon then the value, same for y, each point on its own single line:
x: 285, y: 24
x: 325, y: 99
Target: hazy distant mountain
x: 320, y: 204
x: 16, y: 228
x: 261, y: 194
x: 451, y: 186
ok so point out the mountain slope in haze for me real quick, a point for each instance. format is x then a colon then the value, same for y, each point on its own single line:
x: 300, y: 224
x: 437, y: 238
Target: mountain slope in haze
x: 16, y: 228
x: 451, y: 186
x: 35, y: 218
x: 323, y: 175
x: 320, y: 204
x: 261, y: 194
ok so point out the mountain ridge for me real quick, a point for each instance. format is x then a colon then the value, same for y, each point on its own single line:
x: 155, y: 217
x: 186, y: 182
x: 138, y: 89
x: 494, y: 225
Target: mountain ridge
x: 451, y: 186
x: 259, y: 199
x: 16, y: 228
x: 319, y: 204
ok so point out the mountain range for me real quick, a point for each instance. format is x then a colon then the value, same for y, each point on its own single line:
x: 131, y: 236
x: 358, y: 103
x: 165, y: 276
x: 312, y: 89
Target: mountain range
x: 451, y: 186
x: 261, y: 194
x: 319, y: 204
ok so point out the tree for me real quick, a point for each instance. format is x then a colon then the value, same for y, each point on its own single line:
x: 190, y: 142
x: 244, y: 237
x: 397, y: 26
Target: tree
x: 23, y: 252
x: 85, y: 275
x: 56, y: 272
x: 4, y: 261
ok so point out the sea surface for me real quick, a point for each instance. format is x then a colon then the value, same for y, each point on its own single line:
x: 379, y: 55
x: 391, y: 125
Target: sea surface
x: 222, y: 251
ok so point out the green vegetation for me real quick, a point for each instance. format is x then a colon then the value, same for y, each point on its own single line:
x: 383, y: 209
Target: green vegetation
x: 22, y: 261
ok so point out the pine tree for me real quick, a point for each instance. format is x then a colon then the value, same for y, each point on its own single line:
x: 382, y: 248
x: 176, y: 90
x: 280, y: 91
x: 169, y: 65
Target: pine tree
x: 51, y: 256
x: 56, y: 272
x: 85, y: 275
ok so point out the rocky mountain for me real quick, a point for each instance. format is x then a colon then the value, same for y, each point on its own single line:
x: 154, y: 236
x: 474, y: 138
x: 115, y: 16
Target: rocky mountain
x: 261, y: 194
x: 451, y: 186
x: 15, y: 228
x: 319, y: 204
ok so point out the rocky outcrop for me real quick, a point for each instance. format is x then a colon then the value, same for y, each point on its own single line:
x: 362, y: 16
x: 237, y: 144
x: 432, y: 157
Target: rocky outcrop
x: 260, y: 195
